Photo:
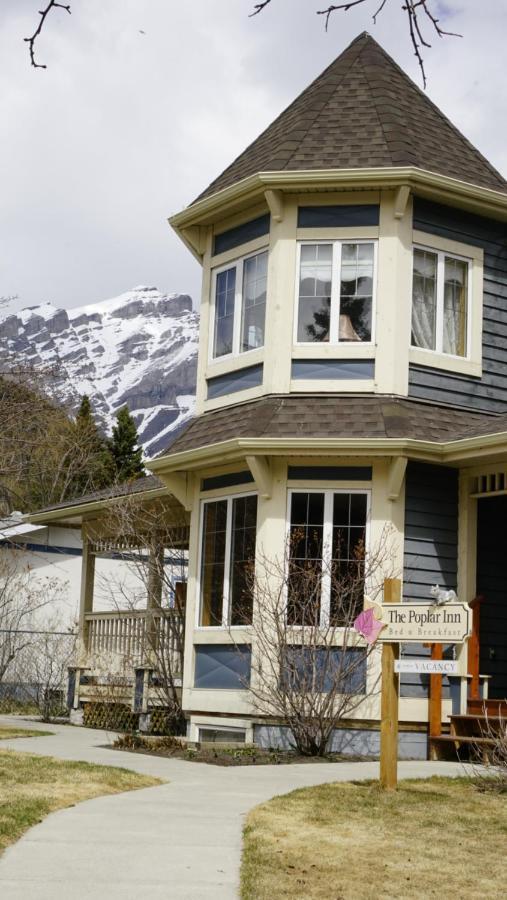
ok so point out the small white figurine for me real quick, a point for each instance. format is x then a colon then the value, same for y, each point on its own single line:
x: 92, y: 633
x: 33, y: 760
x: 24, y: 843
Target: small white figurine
x: 440, y: 596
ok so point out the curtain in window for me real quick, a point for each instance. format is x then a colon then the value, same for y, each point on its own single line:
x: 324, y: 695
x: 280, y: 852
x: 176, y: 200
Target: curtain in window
x: 424, y: 300
x: 455, y: 306
x: 356, y: 292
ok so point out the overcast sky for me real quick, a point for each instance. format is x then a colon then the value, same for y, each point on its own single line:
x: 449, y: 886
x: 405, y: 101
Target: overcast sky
x: 125, y: 128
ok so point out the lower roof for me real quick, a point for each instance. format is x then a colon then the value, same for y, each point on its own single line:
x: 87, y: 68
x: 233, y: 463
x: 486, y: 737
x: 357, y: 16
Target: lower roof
x: 334, y: 416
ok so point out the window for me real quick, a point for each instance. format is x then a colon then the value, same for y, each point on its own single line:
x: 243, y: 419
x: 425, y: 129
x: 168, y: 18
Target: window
x: 327, y: 539
x: 440, y: 302
x: 228, y: 552
x: 240, y: 306
x: 336, y: 291
x: 222, y: 735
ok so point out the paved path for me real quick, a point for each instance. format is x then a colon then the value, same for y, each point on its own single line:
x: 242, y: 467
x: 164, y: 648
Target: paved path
x: 179, y: 841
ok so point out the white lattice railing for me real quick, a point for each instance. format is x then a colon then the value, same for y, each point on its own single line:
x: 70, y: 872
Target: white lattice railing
x: 125, y: 634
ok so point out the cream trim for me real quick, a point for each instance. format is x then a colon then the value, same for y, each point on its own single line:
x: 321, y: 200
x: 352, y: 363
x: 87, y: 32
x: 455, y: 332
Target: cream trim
x: 471, y: 364
x: 393, y: 297
x: 329, y: 386
x: 223, y: 365
x: 222, y: 260
x: 343, y: 350
x: 358, y: 233
x: 233, y: 398
x: 429, y: 184
x: 436, y: 242
x: 446, y: 452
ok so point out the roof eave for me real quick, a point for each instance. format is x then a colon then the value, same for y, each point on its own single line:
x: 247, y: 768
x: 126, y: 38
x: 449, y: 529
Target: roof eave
x: 225, y: 451
x: 475, y: 198
x: 83, y: 511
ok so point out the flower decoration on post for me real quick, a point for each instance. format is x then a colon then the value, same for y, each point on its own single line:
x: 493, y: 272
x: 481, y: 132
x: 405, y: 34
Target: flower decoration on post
x: 369, y: 622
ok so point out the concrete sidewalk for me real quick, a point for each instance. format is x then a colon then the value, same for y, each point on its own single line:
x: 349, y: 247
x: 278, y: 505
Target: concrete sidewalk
x: 179, y: 840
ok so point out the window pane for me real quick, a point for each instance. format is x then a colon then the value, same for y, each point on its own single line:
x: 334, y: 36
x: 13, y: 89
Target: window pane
x: 244, y: 528
x: 315, y: 292
x: 455, y: 306
x: 305, y: 558
x: 213, y: 562
x: 347, y: 567
x: 356, y: 292
x: 225, y: 296
x: 424, y: 300
x: 255, y: 272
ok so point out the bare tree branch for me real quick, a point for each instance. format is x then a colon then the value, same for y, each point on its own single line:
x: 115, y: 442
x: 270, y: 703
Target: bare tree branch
x: 258, y: 8
x: 31, y: 40
x: 412, y: 8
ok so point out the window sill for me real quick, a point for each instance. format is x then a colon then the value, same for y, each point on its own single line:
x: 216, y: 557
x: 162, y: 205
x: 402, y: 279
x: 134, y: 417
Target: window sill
x: 334, y: 386
x: 433, y: 360
x: 318, y: 350
x: 230, y: 363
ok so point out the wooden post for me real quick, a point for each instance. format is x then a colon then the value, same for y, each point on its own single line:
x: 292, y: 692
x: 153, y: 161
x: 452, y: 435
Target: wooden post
x: 435, y: 704
x: 86, y: 600
x: 474, y: 648
x: 389, y: 700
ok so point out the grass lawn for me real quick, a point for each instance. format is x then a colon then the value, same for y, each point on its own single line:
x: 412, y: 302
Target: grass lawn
x: 8, y: 732
x: 33, y: 786
x: 439, y: 837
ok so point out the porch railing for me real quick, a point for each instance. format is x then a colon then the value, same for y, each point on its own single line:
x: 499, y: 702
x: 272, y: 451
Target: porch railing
x: 132, y: 634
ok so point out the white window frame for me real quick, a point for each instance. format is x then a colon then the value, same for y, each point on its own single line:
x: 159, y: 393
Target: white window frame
x: 334, y: 318
x: 238, y: 265
x: 226, y: 600
x: 441, y: 255
x: 327, y: 539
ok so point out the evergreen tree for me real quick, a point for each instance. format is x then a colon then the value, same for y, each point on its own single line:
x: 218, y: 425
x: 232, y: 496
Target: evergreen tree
x: 84, y: 413
x: 98, y: 469
x: 127, y: 454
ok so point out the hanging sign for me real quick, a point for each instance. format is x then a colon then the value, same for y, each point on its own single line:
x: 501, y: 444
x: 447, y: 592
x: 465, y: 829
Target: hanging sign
x: 426, y: 666
x: 418, y: 623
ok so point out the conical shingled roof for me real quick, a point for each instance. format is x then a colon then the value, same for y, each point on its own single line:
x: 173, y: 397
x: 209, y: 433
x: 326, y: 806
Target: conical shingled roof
x: 362, y: 112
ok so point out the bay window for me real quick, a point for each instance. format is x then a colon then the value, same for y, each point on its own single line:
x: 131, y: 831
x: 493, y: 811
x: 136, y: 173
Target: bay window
x: 240, y: 305
x: 327, y: 540
x: 440, y: 302
x: 227, y: 556
x: 336, y: 291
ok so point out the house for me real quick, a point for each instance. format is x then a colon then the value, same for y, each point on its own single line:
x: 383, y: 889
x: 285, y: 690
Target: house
x: 352, y: 375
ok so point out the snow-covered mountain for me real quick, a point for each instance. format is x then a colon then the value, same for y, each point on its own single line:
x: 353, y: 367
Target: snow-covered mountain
x: 139, y: 348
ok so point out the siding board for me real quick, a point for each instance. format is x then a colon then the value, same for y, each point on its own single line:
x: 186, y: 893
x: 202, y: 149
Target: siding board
x: 430, y: 550
x: 488, y: 393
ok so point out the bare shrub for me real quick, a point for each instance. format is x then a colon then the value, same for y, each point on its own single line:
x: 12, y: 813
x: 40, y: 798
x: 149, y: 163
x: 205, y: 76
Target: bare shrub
x: 309, y: 667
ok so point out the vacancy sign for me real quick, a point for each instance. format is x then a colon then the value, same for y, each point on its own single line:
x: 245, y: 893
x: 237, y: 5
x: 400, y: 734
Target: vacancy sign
x: 419, y: 623
x: 426, y: 666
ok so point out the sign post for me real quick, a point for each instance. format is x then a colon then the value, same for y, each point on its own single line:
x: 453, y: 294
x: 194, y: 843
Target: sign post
x: 389, y: 699
x: 393, y: 623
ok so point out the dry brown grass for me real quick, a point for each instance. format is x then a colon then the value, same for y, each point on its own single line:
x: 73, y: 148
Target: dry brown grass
x: 7, y: 732
x: 433, y: 838
x: 31, y: 787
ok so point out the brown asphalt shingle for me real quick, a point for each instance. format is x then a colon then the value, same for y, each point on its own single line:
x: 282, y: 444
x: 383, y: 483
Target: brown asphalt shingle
x: 362, y: 112
x: 338, y: 416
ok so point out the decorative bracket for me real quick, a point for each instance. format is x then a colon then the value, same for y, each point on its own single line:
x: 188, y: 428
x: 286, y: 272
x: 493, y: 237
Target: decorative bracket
x: 262, y: 475
x: 274, y: 199
x: 196, y: 236
x: 401, y: 200
x: 396, y: 476
x: 181, y: 488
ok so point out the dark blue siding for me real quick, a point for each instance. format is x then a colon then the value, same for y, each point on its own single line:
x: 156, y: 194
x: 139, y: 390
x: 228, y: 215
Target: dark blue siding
x: 241, y: 234
x: 338, y: 216
x: 240, y: 380
x: 488, y: 393
x: 333, y: 368
x: 431, y: 545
